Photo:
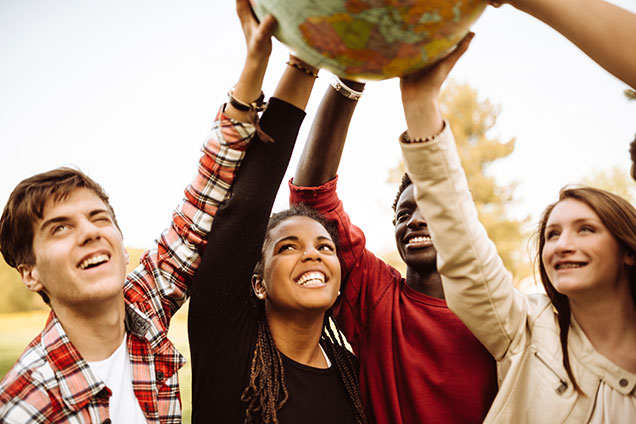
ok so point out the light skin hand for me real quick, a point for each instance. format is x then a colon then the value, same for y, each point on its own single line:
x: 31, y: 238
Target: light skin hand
x: 295, y: 85
x: 420, y: 94
x: 258, y: 38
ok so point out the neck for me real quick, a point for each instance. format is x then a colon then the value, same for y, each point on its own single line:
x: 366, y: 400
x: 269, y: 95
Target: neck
x: 609, y: 322
x: 96, y: 332
x: 428, y: 282
x: 298, y: 336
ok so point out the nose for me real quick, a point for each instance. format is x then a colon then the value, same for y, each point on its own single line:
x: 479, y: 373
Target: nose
x: 311, y: 254
x: 416, y: 220
x: 564, y: 243
x: 88, y: 232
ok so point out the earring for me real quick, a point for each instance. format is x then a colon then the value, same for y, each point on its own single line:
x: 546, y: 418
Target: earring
x: 338, y: 292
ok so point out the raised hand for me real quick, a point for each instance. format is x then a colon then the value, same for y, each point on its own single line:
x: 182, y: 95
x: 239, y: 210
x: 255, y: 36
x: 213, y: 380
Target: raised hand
x: 420, y: 93
x: 258, y: 38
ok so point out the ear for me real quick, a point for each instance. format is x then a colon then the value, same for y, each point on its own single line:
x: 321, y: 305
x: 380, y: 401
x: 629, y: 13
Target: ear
x: 30, y: 277
x: 630, y: 258
x: 259, y: 287
x: 127, y: 256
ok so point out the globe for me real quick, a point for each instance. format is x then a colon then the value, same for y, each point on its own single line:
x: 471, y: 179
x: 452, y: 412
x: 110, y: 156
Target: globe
x: 371, y: 39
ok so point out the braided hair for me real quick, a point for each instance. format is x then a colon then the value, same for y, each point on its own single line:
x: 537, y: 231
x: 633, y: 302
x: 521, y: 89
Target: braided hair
x: 632, y: 154
x: 266, y: 391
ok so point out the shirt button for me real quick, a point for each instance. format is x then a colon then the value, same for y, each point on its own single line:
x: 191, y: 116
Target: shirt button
x: 160, y: 376
x: 623, y: 382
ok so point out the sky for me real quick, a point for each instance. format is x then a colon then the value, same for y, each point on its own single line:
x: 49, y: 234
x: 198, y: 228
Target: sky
x: 127, y: 91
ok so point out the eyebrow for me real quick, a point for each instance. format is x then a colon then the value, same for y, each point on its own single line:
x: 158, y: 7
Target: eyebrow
x: 577, y: 221
x: 295, y: 238
x: 63, y: 218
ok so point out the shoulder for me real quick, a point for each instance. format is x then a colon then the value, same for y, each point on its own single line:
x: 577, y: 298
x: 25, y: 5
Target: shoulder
x: 27, y: 389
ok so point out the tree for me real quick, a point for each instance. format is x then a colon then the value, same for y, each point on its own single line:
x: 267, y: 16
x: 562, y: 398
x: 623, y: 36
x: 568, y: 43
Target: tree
x: 473, y: 121
x: 615, y: 180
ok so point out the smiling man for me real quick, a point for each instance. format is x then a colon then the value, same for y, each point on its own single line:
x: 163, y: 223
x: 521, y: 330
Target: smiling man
x: 418, y: 362
x: 104, y: 355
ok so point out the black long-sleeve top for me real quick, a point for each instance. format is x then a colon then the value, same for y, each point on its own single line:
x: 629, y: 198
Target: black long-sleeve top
x: 223, y: 319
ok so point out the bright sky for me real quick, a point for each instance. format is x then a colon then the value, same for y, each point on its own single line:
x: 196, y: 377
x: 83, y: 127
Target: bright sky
x: 126, y: 91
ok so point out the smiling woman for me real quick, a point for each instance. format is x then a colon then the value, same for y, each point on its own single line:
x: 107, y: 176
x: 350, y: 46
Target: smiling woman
x: 261, y: 342
x: 567, y: 357
x: 263, y: 348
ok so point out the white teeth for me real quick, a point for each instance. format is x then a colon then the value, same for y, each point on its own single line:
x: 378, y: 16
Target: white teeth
x: 420, y: 239
x: 93, y: 260
x: 311, y: 277
x: 569, y: 265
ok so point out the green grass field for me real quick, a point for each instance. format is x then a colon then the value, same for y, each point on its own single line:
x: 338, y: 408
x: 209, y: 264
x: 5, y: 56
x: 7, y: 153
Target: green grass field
x: 18, y: 329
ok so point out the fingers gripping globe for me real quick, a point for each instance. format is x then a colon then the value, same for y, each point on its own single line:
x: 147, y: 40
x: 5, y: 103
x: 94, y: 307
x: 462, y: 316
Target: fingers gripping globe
x: 371, y: 39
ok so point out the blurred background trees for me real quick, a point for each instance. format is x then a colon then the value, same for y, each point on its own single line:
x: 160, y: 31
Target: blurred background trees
x: 473, y: 122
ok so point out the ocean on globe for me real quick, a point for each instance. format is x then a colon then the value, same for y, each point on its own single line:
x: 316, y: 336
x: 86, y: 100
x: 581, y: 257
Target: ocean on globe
x: 371, y: 39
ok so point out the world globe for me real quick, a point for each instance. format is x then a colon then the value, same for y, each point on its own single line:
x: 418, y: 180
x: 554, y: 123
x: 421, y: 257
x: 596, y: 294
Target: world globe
x: 371, y: 39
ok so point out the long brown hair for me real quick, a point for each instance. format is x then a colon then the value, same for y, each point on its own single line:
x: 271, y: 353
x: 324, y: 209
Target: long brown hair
x: 619, y: 217
x: 266, y: 391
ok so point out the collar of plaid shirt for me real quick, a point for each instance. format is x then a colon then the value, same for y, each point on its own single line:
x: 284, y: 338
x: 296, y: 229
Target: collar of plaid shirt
x: 77, y: 383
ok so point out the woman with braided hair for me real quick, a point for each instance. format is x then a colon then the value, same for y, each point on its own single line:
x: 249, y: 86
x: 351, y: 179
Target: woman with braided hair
x: 262, y: 343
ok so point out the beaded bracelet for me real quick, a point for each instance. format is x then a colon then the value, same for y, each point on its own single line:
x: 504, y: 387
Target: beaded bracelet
x: 344, y: 89
x: 302, y: 68
x: 404, y: 137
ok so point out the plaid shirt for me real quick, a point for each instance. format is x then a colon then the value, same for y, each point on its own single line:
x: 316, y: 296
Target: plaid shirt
x: 51, y: 382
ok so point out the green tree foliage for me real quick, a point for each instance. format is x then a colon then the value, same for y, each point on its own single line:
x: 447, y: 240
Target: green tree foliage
x: 473, y: 121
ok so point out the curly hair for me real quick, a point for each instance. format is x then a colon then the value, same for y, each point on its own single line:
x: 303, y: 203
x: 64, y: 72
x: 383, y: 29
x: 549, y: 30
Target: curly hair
x: 406, y: 181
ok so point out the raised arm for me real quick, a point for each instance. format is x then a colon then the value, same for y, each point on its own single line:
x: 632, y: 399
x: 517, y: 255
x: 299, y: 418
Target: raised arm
x: 477, y: 287
x: 234, y: 243
x: 323, y: 150
x: 603, y: 31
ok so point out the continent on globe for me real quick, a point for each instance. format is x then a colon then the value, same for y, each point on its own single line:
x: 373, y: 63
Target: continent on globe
x: 371, y: 39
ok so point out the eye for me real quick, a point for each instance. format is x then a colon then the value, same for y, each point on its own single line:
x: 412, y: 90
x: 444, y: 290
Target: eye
x: 327, y: 247
x: 587, y: 229
x: 551, y: 234
x: 284, y: 247
x: 59, y: 228
x: 402, y: 215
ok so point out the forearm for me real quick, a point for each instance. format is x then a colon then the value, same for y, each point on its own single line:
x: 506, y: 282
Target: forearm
x: 235, y: 241
x: 477, y: 287
x: 603, y: 31
x: 295, y: 85
x: 423, y: 116
x: 321, y: 156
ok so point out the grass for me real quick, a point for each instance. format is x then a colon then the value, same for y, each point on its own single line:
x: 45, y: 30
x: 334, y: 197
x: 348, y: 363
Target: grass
x: 18, y: 329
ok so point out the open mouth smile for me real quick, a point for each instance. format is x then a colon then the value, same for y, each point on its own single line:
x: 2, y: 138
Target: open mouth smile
x: 311, y: 279
x: 93, y: 261
x: 569, y: 265
x: 417, y: 242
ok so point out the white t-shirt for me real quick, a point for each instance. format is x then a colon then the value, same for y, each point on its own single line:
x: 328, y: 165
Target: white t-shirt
x: 116, y: 372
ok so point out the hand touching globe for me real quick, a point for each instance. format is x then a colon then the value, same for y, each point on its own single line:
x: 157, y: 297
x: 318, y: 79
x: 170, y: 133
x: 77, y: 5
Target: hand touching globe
x: 371, y: 39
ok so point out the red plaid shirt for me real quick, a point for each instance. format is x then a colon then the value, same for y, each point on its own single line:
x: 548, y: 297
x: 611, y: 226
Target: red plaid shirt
x: 51, y: 382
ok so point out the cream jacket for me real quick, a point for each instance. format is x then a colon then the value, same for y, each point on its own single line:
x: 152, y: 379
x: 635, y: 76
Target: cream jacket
x: 520, y: 331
